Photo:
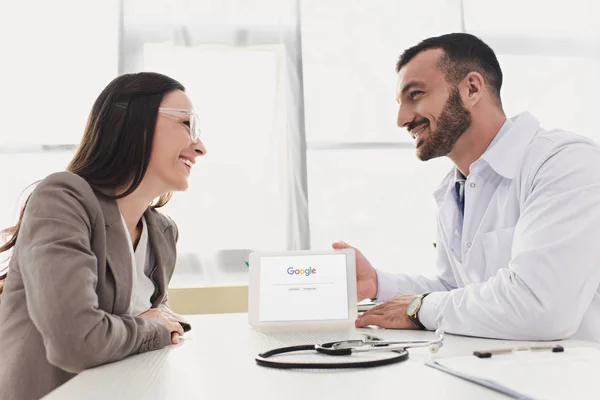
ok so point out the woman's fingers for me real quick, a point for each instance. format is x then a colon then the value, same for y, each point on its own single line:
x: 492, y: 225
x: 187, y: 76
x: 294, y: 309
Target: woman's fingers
x: 176, y: 327
x: 174, y: 338
x: 168, y: 320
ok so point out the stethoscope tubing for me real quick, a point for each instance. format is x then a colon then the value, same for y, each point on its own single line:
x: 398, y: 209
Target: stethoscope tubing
x: 348, y: 347
x: 262, y: 358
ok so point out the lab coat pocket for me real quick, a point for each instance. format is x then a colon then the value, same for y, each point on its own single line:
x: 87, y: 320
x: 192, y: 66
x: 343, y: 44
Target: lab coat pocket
x: 497, y: 249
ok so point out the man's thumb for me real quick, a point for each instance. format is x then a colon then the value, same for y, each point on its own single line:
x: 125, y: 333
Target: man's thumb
x: 341, y: 245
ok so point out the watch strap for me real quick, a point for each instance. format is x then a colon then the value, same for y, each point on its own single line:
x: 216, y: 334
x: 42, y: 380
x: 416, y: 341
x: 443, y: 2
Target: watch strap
x: 415, y: 318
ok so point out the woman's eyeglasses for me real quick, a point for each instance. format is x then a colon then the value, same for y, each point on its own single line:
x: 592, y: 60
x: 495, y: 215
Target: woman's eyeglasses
x: 191, y: 114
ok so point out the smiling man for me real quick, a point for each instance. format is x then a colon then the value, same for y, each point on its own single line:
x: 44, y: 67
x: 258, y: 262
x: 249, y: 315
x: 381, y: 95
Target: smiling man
x: 518, y: 216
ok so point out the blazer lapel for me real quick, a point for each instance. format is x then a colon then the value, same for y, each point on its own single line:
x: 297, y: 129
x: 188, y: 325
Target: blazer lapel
x: 164, y: 254
x: 118, y: 255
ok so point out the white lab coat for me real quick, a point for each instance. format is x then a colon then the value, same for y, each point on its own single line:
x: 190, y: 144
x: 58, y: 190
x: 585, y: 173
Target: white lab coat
x: 527, y: 265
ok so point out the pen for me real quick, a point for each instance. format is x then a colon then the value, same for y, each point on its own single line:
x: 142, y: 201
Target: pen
x: 556, y: 348
x: 245, y: 261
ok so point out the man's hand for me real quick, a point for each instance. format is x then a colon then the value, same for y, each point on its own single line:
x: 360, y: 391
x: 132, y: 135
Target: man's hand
x: 366, y: 277
x: 391, y: 314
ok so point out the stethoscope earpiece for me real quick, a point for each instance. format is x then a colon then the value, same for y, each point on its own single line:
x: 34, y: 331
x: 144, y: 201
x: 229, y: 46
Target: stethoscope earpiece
x: 434, y: 348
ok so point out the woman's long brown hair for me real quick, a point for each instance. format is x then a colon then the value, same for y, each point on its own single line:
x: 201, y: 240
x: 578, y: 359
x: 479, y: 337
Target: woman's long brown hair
x: 115, y: 149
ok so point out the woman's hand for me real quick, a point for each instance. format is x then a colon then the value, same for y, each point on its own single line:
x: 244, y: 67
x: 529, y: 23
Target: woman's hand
x: 168, y: 320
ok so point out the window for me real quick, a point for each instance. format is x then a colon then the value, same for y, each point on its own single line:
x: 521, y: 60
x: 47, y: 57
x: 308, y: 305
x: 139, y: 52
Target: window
x: 236, y: 201
x: 365, y: 184
x: 53, y: 70
x: 241, y: 64
x: 380, y: 200
x: 550, y: 62
x: 335, y: 135
x: 560, y: 91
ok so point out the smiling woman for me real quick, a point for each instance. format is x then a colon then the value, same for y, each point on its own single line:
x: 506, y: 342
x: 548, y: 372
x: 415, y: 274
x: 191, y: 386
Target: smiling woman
x: 91, y: 240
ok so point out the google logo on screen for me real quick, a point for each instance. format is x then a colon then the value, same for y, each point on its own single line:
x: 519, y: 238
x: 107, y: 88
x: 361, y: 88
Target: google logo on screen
x: 308, y: 271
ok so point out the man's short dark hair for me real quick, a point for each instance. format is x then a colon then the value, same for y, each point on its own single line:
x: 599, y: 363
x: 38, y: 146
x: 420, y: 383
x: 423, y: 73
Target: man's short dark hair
x: 463, y: 53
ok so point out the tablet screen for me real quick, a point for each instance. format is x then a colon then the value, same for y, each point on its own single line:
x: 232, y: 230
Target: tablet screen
x: 303, y: 288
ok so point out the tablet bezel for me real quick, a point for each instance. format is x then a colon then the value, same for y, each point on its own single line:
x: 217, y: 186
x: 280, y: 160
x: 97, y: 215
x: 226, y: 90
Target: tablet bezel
x: 254, y: 291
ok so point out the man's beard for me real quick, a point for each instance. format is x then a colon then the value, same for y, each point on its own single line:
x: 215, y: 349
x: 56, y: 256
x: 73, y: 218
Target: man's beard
x: 453, y: 121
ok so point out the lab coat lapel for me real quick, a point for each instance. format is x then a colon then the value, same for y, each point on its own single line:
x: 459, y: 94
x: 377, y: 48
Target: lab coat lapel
x: 447, y: 211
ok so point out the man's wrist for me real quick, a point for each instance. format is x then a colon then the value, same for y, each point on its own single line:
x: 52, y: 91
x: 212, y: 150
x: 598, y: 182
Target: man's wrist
x: 376, y: 282
x: 386, y: 286
x: 428, y: 311
x: 414, y: 307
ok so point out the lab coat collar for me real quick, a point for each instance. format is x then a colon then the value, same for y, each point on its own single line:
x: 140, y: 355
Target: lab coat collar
x: 505, y: 155
x: 447, y: 185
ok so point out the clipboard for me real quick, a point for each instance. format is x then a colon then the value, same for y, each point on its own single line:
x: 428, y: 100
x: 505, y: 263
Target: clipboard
x: 530, y: 374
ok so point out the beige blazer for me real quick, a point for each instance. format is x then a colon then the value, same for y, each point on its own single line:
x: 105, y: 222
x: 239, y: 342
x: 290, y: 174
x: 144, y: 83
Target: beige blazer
x: 64, y: 304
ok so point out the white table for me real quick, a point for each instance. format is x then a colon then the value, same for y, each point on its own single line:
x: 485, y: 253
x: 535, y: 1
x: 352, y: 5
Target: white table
x: 216, y: 361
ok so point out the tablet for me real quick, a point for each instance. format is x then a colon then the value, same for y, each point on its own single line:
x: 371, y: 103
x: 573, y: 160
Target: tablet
x: 304, y: 288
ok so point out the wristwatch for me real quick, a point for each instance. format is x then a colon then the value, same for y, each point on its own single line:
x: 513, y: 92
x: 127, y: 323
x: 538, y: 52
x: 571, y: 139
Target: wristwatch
x: 413, y: 309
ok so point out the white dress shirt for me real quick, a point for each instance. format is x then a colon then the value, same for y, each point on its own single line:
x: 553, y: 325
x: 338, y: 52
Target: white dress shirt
x: 143, y: 287
x: 526, y: 265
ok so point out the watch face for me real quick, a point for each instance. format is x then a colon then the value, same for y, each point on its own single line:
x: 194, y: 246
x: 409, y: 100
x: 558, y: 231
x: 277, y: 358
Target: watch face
x: 412, y: 307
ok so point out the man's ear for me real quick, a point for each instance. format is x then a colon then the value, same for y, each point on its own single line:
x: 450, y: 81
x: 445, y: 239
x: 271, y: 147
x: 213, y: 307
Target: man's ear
x: 473, y: 86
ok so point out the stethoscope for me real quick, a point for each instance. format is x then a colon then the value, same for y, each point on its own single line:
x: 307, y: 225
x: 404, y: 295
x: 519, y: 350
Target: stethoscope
x: 349, y: 347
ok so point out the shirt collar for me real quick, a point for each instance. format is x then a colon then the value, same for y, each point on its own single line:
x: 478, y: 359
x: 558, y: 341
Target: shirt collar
x: 143, y: 242
x: 458, y: 176
x: 506, y: 150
